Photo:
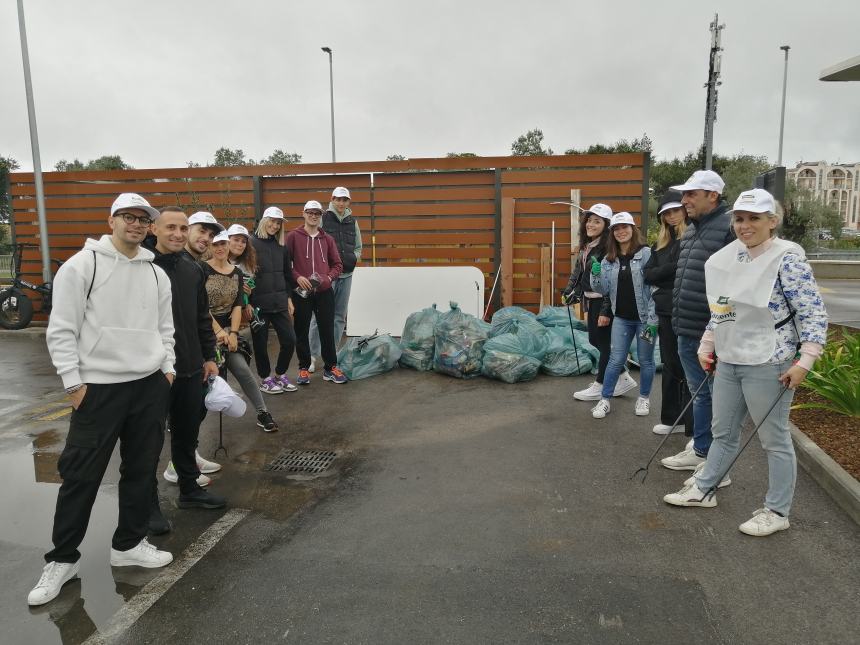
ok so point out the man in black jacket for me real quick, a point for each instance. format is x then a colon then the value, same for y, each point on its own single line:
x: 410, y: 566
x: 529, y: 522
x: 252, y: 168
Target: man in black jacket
x: 709, y: 231
x: 195, y: 359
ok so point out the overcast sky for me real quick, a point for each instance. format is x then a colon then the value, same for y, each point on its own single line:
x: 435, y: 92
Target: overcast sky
x: 164, y: 82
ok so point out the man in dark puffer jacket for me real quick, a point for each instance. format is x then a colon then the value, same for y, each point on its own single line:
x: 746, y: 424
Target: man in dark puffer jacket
x: 709, y: 231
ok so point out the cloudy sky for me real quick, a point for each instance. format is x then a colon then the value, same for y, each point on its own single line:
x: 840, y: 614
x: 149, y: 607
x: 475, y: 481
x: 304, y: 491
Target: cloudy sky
x: 164, y: 82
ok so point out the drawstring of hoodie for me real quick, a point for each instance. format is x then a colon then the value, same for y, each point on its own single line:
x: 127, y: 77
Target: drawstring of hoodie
x: 311, y: 255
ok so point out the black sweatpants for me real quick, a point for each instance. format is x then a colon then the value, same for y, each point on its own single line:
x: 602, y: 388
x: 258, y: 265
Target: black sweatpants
x: 133, y: 413
x: 320, y: 305
x: 600, y: 337
x: 286, y: 338
x: 675, y: 391
x: 187, y: 411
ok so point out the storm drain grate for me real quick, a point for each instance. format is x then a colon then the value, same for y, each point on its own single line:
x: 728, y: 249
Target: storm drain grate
x: 302, y: 461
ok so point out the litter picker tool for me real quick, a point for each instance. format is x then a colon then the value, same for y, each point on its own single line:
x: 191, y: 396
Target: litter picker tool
x: 713, y: 489
x: 573, y: 338
x: 644, y: 469
x: 220, y: 436
x: 492, y: 291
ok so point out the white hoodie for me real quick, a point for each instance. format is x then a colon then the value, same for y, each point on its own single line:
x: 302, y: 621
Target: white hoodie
x: 124, y: 330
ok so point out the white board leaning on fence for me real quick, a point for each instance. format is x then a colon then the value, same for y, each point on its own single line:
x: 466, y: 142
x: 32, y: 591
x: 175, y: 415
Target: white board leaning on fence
x: 383, y: 297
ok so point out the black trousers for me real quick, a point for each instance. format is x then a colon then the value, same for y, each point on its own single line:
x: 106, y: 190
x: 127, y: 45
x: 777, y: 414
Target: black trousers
x: 133, y: 413
x: 286, y: 338
x: 600, y: 337
x: 676, y: 393
x: 320, y: 305
x: 186, y: 413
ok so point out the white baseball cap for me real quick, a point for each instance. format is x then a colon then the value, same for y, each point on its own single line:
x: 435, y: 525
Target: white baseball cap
x: 622, y: 218
x: 223, y: 236
x: 238, y: 229
x: 703, y: 180
x: 222, y: 398
x: 757, y: 200
x: 133, y: 200
x: 207, y: 219
x: 340, y: 191
x: 274, y: 212
x: 313, y: 205
x: 601, y: 210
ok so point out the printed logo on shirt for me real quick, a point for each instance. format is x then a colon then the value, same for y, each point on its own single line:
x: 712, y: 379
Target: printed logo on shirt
x: 723, y: 311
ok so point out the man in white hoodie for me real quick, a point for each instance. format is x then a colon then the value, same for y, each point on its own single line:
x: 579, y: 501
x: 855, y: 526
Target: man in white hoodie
x: 110, y: 337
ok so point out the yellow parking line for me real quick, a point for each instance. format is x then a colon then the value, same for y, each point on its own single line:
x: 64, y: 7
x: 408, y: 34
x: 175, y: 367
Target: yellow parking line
x: 825, y: 289
x: 53, y: 416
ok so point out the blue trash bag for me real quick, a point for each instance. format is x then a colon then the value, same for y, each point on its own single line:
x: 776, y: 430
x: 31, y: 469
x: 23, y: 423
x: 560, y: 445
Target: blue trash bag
x: 562, y: 359
x: 459, y: 347
x: 557, y: 317
x: 505, y: 320
x: 369, y: 356
x: 506, y: 357
x: 418, y: 339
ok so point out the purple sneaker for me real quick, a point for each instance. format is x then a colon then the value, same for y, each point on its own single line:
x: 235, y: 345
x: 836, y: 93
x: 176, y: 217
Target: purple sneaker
x: 271, y: 386
x: 334, y: 375
x: 285, y: 383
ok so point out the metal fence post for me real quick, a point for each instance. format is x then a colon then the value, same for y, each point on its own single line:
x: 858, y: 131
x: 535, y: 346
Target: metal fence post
x: 257, y: 183
x: 497, y: 254
x: 646, y: 192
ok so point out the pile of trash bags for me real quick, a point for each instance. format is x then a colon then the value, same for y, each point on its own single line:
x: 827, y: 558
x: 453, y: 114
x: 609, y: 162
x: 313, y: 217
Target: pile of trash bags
x: 459, y: 343
x: 362, y: 357
x: 419, y: 339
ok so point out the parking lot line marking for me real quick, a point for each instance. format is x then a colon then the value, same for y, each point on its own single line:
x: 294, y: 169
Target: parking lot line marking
x: 53, y: 416
x: 129, y: 613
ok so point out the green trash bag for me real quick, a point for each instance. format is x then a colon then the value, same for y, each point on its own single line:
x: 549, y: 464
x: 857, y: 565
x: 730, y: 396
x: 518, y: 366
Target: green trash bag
x: 418, y: 339
x: 459, y: 347
x: 562, y: 359
x: 506, y: 357
x: 506, y: 320
x: 557, y: 317
x: 369, y: 356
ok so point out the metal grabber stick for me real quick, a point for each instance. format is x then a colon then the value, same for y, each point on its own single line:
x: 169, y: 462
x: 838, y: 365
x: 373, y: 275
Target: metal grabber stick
x: 644, y: 469
x: 573, y: 338
x: 713, y: 489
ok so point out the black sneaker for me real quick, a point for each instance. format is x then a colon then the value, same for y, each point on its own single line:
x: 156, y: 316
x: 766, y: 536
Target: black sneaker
x: 201, y: 499
x: 158, y: 524
x: 266, y: 422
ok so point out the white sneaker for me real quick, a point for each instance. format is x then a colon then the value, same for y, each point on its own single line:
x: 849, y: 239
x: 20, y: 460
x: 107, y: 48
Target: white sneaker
x: 690, y: 495
x: 689, y: 445
x: 662, y: 428
x: 171, y: 476
x: 591, y: 393
x: 684, y: 460
x: 143, y: 555
x: 205, y: 465
x: 642, y: 407
x: 764, y: 522
x: 313, y: 367
x: 726, y: 480
x: 625, y: 384
x: 54, y: 576
x: 601, y: 409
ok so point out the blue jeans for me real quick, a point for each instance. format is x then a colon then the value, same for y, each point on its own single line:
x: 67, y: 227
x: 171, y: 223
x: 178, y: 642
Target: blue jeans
x: 742, y: 389
x: 688, y: 348
x: 341, y: 288
x: 623, y: 333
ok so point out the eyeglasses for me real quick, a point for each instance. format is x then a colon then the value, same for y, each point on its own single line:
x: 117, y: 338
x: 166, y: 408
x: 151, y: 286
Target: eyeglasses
x: 131, y: 218
x: 313, y: 213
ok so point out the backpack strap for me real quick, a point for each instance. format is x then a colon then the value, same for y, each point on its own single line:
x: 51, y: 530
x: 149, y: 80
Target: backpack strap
x: 791, y: 315
x: 93, y: 279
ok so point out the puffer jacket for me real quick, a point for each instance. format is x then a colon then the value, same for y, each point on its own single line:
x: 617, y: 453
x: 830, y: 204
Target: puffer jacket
x: 660, y: 274
x: 703, y: 238
x: 274, y: 276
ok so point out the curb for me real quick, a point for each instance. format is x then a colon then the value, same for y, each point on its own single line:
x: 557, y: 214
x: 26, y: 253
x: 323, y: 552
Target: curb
x: 33, y: 331
x: 835, y: 480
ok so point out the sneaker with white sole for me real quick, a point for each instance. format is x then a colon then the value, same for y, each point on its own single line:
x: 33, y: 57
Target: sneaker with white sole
x: 642, y: 407
x: 601, y: 409
x: 143, y: 555
x: 726, y: 480
x: 335, y: 375
x: 662, y: 428
x: 285, y: 383
x: 591, y: 393
x: 687, y: 459
x: 764, y: 522
x: 690, y: 495
x: 205, y: 465
x: 171, y: 476
x: 54, y: 576
x: 625, y: 384
x: 271, y: 386
x: 266, y: 422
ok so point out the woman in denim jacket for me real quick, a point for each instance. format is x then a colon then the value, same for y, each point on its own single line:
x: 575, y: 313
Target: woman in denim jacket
x: 622, y: 282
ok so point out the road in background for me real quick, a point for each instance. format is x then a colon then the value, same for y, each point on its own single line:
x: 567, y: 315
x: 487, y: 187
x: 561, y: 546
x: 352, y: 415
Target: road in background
x: 842, y: 299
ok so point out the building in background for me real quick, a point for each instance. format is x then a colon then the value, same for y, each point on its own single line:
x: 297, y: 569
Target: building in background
x: 837, y: 185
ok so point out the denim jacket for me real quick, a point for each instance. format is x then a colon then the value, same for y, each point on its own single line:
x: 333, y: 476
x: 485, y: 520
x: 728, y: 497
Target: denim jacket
x: 607, y: 284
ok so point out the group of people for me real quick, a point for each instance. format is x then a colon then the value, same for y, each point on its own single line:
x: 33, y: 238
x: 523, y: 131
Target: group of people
x: 739, y: 320
x: 145, y: 317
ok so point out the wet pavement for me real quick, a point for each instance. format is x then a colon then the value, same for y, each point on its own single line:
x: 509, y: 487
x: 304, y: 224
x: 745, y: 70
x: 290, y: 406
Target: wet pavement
x: 456, y: 512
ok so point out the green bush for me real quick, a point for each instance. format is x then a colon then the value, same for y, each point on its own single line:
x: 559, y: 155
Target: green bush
x: 836, y: 377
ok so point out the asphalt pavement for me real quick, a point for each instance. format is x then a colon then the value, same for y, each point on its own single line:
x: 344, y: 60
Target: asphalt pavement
x: 453, y: 512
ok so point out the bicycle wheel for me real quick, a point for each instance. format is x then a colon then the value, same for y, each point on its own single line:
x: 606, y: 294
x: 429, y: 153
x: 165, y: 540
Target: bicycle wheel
x: 16, y: 310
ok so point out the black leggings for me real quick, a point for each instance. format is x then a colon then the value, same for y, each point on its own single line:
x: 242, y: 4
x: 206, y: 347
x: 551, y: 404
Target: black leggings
x: 286, y: 338
x: 600, y: 337
x: 320, y: 305
x: 675, y: 390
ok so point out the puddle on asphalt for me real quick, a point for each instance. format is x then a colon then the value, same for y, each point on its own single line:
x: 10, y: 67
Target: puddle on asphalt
x: 30, y: 484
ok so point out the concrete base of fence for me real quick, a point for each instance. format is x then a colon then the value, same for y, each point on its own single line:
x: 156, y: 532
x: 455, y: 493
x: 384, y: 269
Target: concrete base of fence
x: 835, y: 269
x: 835, y: 480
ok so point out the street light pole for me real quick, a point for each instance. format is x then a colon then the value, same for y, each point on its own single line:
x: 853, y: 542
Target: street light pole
x: 34, y: 143
x: 784, y: 48
x: 327, y: 50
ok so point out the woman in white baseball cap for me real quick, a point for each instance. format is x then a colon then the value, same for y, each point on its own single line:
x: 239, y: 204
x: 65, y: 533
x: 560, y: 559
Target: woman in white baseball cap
x: 593, y: 236
x: 768, y: 326
x: 622, y: 281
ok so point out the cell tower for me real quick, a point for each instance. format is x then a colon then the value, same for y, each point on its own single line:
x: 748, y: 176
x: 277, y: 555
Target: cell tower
x: 712, y: 85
